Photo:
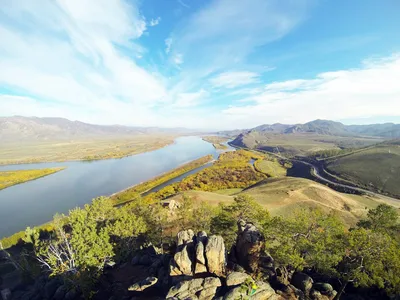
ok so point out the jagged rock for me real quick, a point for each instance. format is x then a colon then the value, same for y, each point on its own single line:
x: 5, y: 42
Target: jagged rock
x: 192, y: 289
x: 50, y: 288
x: 236, y: 278
x: 70, y: 295
x: 6, y: 294
x: 185, y: 237
x: 290, y: 292
x: 200, y: 266
x: 215, y: 255
x: 60, y: 293
x: 249, y: 246
x: 143, y: 284
x: 282, y: 275
x: 182, y: 264
x: 302, y: 281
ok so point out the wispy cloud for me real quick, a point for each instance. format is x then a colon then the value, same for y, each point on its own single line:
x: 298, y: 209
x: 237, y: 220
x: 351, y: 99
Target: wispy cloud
x: 234, y: 79
x: 154, y: 22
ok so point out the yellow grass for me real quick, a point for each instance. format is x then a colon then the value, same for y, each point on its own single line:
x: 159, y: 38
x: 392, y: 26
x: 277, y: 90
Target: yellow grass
x: 9, y: 178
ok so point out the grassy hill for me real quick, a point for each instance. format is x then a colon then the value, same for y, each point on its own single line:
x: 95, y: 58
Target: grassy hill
x: 281, y: 196
x: 377, y: 168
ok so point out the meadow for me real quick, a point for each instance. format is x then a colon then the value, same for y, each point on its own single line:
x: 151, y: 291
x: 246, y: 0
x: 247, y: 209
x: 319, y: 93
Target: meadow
x: 216, y: 141
x: 10, y: 178
x: 90, y: 149
x: 376, y: 168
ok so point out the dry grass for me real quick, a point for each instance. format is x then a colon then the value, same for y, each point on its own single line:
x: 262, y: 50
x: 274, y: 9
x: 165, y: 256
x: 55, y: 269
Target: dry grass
x: 17, y: 153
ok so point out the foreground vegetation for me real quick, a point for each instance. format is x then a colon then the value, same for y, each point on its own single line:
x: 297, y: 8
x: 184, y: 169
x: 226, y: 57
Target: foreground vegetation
x: 80, y: 244
x: 89, y: 149
x: 133, y: 192
x: 216, y: 141
x: 10, y: 178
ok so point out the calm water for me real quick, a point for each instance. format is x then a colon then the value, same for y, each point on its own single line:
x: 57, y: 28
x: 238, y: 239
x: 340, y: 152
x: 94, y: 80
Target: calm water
x: 35, y: 202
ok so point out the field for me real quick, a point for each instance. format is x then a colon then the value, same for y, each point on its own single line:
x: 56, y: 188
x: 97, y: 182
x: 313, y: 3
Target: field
x: 376, y: 168
x: 282, y: 196
x: 270, y: 167
x: 216, y: 141
x: 31, y: 152
x: 302, y: 143
x: 9, y: 178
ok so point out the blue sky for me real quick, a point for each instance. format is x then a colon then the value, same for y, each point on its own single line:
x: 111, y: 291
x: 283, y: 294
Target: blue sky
x: 213, y: 64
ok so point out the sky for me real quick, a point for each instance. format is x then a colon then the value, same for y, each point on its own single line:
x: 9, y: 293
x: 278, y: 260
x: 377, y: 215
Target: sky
x: 207, y: 64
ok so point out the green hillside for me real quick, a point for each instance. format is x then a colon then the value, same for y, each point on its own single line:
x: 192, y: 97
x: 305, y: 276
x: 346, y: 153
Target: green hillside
x: 377, y: 168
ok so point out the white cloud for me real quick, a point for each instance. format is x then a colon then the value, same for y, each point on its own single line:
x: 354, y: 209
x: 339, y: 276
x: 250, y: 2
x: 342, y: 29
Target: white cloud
x: 234, y: 79
x: 178, y: 59
x: 189, y: 99
x: 168, y: 44
x: 154, y: 22
x: 71, y: 56
x: 369, y: 91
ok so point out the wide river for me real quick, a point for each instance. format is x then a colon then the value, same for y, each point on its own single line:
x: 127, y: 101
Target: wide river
x: 35, y: 202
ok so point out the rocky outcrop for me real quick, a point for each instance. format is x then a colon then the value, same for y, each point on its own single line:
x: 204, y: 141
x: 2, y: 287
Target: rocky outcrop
x: 257, y: 291
x: 302, y: 281
x: 200, y: 254
x: 236, y: 278
x: 249, y: 247
x: 199, y: 288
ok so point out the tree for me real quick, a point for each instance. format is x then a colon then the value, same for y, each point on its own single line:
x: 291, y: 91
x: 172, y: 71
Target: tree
x: 224, y: 224
x: 311, y: 238
x: 370, y: 258
x: 247, y: 208
x: 383, y: 218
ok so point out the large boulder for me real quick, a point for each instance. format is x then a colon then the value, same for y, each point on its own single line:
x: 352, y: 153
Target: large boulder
x: 185, y: 237
x: 182, y: 263
x: 215, y: 255
x: 302, y: 281
x: 236, y: 278
x: 200, y: 266
x: 258, y: 291
x: 199, y: 288
x: 249, y: 246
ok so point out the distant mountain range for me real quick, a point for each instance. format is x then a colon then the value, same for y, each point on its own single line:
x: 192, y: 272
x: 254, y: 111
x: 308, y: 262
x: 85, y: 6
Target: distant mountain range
x: 326, y: 127
x: 33, y: 128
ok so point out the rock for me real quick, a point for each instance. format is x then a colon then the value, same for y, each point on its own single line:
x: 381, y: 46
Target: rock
x: 249, y: 246
x: 235, y: 293
x: 182, y: 264
x: 185, y: 237
x: 208, y: 293
x: 200, y: 266
x: 316, y: 295
x: 264, y: 291
x: 143, y: 284
x: 290, y: 292
x: 193, y: 286
x: 323, y: 288
x: 199, y: 288
x: 215, y: 255
x: 60, y: 293
x: 71, y: 295
x: 5, y: 294
x: 50, y: 288
x: 302, y: 281
x: 282, y: 275
x: 236, y: 278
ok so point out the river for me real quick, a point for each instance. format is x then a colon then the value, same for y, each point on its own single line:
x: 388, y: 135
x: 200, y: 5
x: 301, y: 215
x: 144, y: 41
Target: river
x: 35, y: 202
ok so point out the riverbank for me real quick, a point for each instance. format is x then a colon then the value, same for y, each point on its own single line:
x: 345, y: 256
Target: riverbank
x: 216, y: 141
x: 81, y: 150
x: 131, y: 193
x: 10, y: 178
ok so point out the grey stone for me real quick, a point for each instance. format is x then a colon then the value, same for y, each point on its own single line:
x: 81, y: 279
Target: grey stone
x: 182, y: 264
x: 302, y: 281
x: 323, y: 288
x: 215, y: 255
x: 236, y: 278
x: 5, y: 294
x: 50, y: 288
x: 143, y: 284
x: 60, y: 293
x: 184, y: 237
x: 200, y: 266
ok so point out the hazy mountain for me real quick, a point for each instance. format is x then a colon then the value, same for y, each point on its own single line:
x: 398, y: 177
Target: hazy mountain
x: 33, y: 128
x: 326, y: 127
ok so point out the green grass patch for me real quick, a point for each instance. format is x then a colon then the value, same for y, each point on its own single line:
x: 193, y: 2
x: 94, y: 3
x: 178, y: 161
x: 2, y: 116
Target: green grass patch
x: 10, y: 178
x: 229, y: 192
x: 270, y: 167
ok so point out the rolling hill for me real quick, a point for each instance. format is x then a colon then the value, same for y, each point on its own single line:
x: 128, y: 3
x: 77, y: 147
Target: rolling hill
x: 282, y: 196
